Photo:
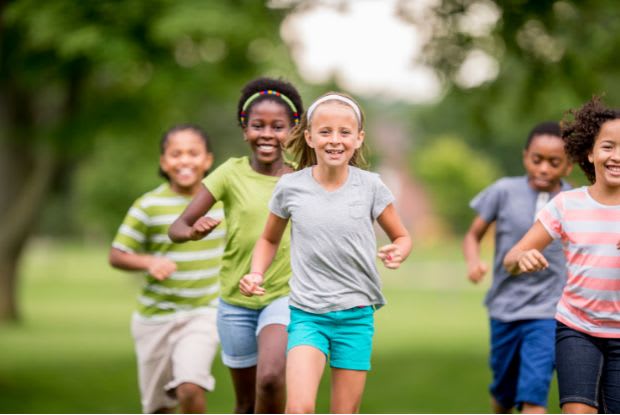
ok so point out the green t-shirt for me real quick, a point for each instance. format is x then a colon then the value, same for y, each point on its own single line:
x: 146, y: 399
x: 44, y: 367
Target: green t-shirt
x: 246, y: 194
x: 194, y: 285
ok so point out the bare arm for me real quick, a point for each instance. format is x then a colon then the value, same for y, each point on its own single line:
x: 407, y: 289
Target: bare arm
x: 158, y: 267
x: 395, y: 253
x: 471, y: 249
x: 526, y: 255
x: 264, y: 252
x: 192, y: 224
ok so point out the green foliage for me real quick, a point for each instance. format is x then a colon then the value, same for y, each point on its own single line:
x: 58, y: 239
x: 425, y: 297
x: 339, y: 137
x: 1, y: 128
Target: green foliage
x: 453, y: 173
x: 552, y: 55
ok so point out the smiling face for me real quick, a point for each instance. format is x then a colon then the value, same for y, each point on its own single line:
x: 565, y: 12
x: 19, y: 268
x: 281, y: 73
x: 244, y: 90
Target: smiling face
x: 185, y: 160
x: 546, y: 162
x: 267, y: 127
x: 605, y: 155
x: 334, y: 134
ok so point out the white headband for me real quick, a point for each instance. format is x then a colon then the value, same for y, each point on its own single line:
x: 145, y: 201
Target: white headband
x: 335, y: 97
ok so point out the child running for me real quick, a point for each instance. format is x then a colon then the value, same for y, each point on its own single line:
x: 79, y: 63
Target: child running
x: 252, y: 330
x: 587, y: 221
x: 175, y: 325
x: 521, y: 310
x: 335, y: 288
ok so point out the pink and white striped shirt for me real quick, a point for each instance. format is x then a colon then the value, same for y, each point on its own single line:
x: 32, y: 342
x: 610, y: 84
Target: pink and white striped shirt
x: 589, y: 232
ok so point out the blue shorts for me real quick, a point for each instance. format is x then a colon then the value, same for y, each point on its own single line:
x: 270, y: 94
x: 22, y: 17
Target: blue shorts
x: 344, y: 336
x: 522, y: 361
x: 238, y: 328
x: 588, y: 369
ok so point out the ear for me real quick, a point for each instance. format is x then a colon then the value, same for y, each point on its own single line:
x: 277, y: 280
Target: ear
x: 569, y: 169
x: 208, y: 161
x: 524, y: 157
x: 162, y: 162
x: 360, y: 139
x: 590, y: 157
x: 308, y: 138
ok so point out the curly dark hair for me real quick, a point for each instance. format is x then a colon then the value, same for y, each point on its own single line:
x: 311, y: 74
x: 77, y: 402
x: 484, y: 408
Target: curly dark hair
x: 543, y: 128
x: 580, y: 132
x: 265, y: 84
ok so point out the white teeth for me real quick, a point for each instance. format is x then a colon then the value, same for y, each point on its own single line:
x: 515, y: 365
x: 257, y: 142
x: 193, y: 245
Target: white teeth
x: 185, y: 171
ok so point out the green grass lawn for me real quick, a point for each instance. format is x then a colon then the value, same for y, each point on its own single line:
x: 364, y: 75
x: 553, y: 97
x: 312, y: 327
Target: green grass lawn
x: 73, y: 352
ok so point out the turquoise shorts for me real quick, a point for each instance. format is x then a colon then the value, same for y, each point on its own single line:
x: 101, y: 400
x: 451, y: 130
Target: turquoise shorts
x: 345, y: 337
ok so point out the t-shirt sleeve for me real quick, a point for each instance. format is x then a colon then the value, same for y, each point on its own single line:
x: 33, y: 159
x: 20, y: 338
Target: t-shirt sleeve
x: 550, y: 217
x: 131, y: 235
x: 278, y: 203
x: 487, y: 202
x: 216, y: 181
x: 382, y: 197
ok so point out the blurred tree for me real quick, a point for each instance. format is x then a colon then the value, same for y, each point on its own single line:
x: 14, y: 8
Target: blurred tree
x: 453, y: 172
x: 510, y: 64
x: 73, y: 73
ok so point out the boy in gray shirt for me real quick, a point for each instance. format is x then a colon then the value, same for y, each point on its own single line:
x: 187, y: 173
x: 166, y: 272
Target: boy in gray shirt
x: 521, y: 309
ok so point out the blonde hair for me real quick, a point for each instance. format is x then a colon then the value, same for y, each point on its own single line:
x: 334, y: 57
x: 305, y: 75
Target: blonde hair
x: 302, y: 154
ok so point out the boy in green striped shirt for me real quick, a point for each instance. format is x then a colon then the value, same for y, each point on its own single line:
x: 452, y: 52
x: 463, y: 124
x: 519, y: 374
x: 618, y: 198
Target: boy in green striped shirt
x: 174, y: 326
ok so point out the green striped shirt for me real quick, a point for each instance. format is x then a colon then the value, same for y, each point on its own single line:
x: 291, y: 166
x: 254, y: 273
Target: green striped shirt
x: 195, y: 283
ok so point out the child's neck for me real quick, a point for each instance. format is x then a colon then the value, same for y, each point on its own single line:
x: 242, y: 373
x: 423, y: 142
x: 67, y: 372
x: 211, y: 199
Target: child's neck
x: 605, y: 195
x: 186, y: 191
x: 277, y: 168
x: 330, y: 178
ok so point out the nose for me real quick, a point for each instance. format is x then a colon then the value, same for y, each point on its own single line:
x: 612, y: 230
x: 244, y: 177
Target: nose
x: 334, y: 138
x: 545, y: 167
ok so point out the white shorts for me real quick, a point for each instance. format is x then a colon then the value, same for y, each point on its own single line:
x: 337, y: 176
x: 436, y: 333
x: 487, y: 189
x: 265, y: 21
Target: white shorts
x: 174, y: 352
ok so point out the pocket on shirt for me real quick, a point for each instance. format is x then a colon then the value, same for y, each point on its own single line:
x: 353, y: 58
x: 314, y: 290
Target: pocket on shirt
x: 357, y: 210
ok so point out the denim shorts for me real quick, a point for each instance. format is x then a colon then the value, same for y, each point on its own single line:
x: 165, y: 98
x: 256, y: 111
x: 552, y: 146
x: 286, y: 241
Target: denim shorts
x: 588, y: 369
x: 522, y: 359
x: 239, y: 327
x: 344, y: 336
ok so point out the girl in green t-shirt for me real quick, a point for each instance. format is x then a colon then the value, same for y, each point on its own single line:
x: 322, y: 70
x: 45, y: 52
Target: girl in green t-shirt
x: 252, y: 330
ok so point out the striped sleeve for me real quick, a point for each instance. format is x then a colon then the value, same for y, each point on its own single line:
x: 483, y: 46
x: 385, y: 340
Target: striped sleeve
x: 551, y: 215
x: 132, y: 234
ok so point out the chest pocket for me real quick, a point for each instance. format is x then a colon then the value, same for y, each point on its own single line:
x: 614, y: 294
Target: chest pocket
x: 357, y: 210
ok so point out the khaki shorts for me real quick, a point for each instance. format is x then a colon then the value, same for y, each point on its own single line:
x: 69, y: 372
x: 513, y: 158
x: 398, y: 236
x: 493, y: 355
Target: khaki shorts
x: 174, y: 352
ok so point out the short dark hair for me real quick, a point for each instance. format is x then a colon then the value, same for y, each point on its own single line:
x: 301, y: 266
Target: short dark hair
x: 269, y: 84
x: 544, y: 128
x: 580, y: 128
x: 163, y: 142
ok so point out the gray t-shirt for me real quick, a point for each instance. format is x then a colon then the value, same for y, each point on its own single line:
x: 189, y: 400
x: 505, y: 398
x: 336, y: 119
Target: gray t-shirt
x: 333, y: 243
x: 510, y: 203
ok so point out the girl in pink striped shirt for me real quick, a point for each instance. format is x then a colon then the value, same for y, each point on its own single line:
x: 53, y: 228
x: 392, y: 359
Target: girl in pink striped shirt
x: 587, y: 221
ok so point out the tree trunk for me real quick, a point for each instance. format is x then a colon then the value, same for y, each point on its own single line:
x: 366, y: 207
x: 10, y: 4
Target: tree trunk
x: 25, y: 180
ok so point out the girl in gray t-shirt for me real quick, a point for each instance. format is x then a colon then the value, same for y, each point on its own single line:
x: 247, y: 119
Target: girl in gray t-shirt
x: 335, y: 287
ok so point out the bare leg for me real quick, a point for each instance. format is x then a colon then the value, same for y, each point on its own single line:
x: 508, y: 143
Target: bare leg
x: 578, y: 408
x: 529, y: 408
x: 498, y: 408
x: 270, y: 372
x: 244, y: 382
x: 304, y: 368
x: 347, y: 390
x: 191, y: 398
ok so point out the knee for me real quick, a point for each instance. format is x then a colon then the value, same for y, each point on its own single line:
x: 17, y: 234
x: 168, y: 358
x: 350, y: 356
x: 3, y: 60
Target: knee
x: 270, y: 381
x: 189, y: 395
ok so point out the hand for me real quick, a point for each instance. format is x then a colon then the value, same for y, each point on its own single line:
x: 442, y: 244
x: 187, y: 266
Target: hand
x: 532, y: 260
x: 203, y: 226
x: 476, y: 272
x: 251, y: 283
x: 391, y: 256
x: 161, y: 268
